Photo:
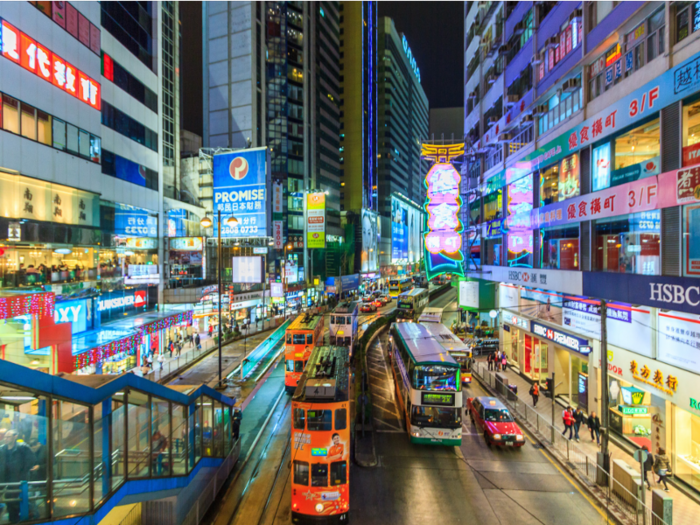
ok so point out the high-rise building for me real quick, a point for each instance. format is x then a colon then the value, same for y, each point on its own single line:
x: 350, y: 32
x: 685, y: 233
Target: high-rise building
x: 581, y: 124
x: 272, y: 80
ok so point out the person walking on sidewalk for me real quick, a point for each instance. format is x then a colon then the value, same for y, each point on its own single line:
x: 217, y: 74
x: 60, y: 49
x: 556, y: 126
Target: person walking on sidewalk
x: 568, y: 419
x: 489, y: 360
x: 648, y: 465
x: 579, y: 417
x: 161, y: 360
x: 593, y: 423
x: 535, y: 393
x: 504, y: 361
x: 662, y: 467
x: 197, y: 341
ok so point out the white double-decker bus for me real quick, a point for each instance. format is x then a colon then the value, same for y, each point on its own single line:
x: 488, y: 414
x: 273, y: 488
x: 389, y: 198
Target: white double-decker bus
x: 343, y: 327
x: 458, y: 349
x: 428, y: 386
x: 431, y: 314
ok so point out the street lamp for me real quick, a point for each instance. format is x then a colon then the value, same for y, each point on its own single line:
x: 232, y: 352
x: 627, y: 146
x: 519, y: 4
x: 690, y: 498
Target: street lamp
x: 206, y: 222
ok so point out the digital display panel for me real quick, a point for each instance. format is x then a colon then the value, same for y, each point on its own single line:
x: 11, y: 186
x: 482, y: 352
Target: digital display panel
x: 431, y: 398
x: 246, y: 269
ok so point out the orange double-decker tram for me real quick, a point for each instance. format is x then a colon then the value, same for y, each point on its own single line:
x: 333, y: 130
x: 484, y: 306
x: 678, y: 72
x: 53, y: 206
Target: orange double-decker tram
x: 305, y: 332
x: 321, y: 439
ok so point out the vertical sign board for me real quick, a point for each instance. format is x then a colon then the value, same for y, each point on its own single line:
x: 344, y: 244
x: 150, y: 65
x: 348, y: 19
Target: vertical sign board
x: 240, y: 190
x: 316, y: 220
x: 469, y: 294
x: 443, y: 237
x: 277, y: 207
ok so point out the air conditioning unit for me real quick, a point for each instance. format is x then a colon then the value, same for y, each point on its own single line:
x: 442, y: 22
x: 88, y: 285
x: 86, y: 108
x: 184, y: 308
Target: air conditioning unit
x: 578, y: 13
x: 539, y: 110
x: 536, y: 59
x: 571, y: 85
x: 512, y: 99
x: 519, y: 28
x: 526, y: 119
x: 503, y: 49
x: 552, y: 41
x: 489, y: 49
x: 491, y: 78
x: 505, y: 137
x: 472, y: 95
x: 491, y: 121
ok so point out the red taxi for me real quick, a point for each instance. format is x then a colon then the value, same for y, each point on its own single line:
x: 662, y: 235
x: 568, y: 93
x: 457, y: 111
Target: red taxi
x: 494, y: 420
x: 368, y: 307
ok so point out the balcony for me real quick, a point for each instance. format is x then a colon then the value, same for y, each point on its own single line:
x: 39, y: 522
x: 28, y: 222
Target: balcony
x: 521, y: 140
x: 561, y: 112
x: 494, y: 158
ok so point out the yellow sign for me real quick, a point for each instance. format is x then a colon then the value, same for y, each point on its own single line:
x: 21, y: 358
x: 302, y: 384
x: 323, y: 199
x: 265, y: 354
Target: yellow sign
x: 316, y: 220
x: 656, y: 380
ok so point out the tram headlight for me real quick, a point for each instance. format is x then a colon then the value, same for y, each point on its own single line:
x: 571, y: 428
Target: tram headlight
x: 319, y: 508
x: 496, y: 437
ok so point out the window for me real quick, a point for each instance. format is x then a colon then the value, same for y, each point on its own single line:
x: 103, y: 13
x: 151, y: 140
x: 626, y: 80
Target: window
x: 691, y: 238
x: 299, y: 417
x: 644, y: 43
x: 298, y: 339
x: 561, y: 181
x: 123, y: 79
x: 59, y: 134
x: 560, y: 248
x: 636, y: 148
x: 339, y: 473
x: 341, y: 419
x: 301, y: 473
x: 435, y: 378
x: 691, y: 133
x: 436, y: 417
x: 319, y: 475
x: 683, y: 15
x: 320, y: 420
x: 629, y: 244
x: 122, y: 123
x: 84, y: 143
x: 299, y: 366
x: 124, y: 169
x: 10, y: 111
x: 72, y: 138
x: 28, y: 121
x: 43, y: 127
x: 309, y: 339
x: 290, y: 365
x: 95, y: 148
x: 493, y: 205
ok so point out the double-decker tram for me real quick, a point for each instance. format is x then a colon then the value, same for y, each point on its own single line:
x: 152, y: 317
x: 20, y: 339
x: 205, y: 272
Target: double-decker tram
x: 453, y: 345
x: 399, y: 285
x: 343, y: 327
x: 427, y: 386
x: 410, y: 305
x: 305, y: 332
x: 431, y: 314
x: 321, y: 439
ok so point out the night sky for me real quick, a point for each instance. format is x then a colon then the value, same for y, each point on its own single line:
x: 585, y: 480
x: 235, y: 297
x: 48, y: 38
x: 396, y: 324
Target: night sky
x: 435, y: 33
x: 434, y: 30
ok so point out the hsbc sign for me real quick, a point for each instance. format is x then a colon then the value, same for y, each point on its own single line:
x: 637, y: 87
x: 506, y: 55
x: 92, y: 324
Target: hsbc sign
x: 556, y: 280
x: 569, y: 341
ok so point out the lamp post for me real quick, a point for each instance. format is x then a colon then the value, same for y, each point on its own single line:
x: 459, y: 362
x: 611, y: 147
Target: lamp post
x: 206, y: 222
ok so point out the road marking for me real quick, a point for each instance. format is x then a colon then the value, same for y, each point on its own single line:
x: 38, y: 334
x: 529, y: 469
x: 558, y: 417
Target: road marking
x: 573, y: 483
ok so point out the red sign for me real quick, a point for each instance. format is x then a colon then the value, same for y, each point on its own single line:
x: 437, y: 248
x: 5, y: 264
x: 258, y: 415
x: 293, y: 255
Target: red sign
x: 72, y: 20
x: 691, y: 155
x: 688, y: 185
x: 58, y: 11
x: 95, y: 41
x: 83, y: 29
x: 32, y: 56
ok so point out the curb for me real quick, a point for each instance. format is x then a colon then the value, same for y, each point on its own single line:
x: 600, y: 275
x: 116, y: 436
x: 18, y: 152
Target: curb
x: 612, y: 515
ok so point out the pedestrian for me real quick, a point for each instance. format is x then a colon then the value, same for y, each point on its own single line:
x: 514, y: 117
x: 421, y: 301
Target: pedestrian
x: 648, y: 465
x: 211, y: 329
x: 504, y: 361
x: 16, y: 462
x: 579, y: 417
x: 161, y: 360
x: 568, y: 419
x: 489, y: 359
x: 196, y: 342
x: 535, y: 393
x: 662, y: 467
x: 149, y: 361
x: 171, y: 348
x: 237, y: 417
x: 594, y: 426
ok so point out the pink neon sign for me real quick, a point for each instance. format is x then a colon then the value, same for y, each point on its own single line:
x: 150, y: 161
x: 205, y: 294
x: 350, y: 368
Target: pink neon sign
x: 443, y: 208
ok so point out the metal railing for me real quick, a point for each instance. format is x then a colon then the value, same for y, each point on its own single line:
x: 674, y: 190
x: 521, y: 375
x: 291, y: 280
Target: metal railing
x: 617, y: 498
x: 494, y: 158
x: 521, y: 140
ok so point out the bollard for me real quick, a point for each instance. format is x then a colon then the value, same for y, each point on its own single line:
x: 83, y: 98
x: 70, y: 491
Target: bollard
x: 661, y: 507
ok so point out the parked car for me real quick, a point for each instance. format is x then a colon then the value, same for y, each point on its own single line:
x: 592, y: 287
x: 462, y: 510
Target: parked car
x: 492, y: 418
x: 368, y: 307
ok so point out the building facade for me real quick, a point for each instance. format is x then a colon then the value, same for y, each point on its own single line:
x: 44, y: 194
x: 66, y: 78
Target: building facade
x: 580, y: 177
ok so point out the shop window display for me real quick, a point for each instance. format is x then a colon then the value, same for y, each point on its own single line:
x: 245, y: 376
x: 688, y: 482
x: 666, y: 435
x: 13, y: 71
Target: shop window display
x: 686, y: 457
x: 561, y: 181
x: 633, y: 413
x: 560, y: 248
x: 37, y: 265
x: 629, y: 244
x: 638, y: 147
x: 691, y: 133
x: 493, y: 206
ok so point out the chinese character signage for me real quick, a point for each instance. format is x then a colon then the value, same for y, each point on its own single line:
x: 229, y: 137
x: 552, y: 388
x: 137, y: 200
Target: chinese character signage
x: 278, y: 234
x: 32, y: 56
x: 443, y: 239
x: 316, y: 220
x: 132, y: 221
x: 240, y: 190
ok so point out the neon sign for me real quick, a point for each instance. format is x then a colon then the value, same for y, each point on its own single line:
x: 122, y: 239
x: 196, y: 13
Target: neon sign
x: 32, y: 56
x: 443, y: 240
x: 411, y: 58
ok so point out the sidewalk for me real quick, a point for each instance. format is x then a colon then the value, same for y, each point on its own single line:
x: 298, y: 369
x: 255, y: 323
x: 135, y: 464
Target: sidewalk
x: 685, y: 510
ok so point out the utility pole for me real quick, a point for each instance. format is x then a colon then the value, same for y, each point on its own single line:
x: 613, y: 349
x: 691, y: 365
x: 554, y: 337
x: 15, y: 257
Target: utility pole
x: 219, y: 263
x: 604, y: 455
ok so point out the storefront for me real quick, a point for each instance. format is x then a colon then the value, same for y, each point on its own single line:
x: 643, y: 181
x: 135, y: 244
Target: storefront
x: 186, y: 259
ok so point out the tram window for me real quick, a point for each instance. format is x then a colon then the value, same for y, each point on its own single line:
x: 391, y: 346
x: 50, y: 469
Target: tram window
x: 333, y: 339
x: 339, y: 473
x: 298, y: 366
x: 320, y: 420
x: 301, y: 473
x: 341, y: 419
x: 298, y: 339
x: 290, y: 365
x: 319, y: 475
x: 289, y: 339
x: 333, y: 319
x: 309, y: 339
x: 299, y: 417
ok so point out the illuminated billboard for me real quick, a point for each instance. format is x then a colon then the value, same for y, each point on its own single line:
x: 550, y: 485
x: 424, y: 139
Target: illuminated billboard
x: 246, y: 269
x: 406, y: 220
x: 443, y: 237
x: 316, y: 220
x: 240, y: 190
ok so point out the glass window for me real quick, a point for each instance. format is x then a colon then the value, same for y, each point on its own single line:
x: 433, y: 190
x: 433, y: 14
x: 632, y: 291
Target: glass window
x: 309, y: 339
x: 437, y: 417
x: 289, y: 339
x: 691, y: 236
x: 84, y: 143
x: 160, y: 437
x: 44, y: 128
x: 320, y: 420
x: 520, y: 196
x: 600, y: 167
x: 560, y: 248
x: 72, y: 138
x: 629, y: 244
x: 691, y: 133
x: 683, y: 22
x: 341, y: 419
x: 569, y: 180
x: 301, y: 473
x: 493, y: 205
x: 549, y: 185
x: 435, y: 378
x: 339, y: 473
x: 298, y: 339
x: 299, y: 418
x: 10, y: 112
x: 319, y: 475
x: 298, y: 366
x: 59, y: 134
x: 636, y: 148
x: 95, y: 148
x: 28, y: 121
x: 290, y: 365
x: 494, y: 415
x: 332, y: 319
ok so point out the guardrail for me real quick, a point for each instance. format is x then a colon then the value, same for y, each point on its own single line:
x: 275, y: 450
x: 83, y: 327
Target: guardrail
x: 253, y: 360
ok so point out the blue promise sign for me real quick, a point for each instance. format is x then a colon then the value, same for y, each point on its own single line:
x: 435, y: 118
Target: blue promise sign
x: 240, y: 190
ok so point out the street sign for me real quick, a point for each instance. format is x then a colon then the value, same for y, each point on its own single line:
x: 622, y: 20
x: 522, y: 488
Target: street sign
x: 640, y: 455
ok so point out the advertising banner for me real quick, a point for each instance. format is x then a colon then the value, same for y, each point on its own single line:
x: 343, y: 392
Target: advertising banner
x: 277, y: 196
x: 469, y: 294
x: 316, y: 220
x: 276, y: 289
x: 240, y: 190
x: 370, y: 237
x: 129, y: 220
x: 278, y: 234
x: 641, y: 170
x: 350, y: 282
x: 188, y: 244
x: 399, y: 230
x: 601, y: 167
x: 246, y: 269
x: 679, y: 340
x: 77, y: 313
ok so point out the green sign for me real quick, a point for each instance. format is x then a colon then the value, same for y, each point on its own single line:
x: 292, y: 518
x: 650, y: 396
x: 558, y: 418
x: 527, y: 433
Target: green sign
x: 429, y: 398
x: 633, y: 411
x: 694, y: 403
